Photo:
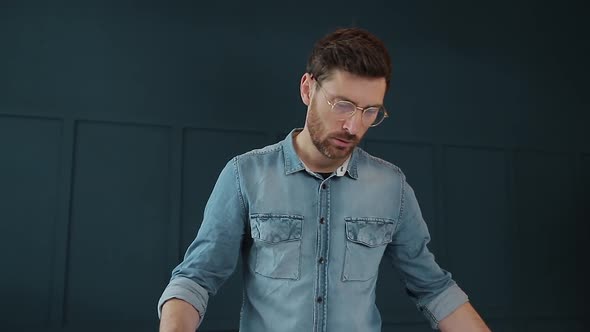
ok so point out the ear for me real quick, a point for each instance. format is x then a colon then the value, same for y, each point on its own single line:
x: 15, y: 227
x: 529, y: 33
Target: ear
x: 305, y: 87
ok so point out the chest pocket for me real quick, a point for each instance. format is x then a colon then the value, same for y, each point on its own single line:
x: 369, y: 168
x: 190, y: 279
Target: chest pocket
x: 366, y: 239
x: 277, y: 245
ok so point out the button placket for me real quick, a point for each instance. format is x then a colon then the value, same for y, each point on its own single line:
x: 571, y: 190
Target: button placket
x: 322, y: 252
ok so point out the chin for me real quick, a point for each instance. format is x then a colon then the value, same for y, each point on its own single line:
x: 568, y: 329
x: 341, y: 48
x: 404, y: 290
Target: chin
x: 336, y: 153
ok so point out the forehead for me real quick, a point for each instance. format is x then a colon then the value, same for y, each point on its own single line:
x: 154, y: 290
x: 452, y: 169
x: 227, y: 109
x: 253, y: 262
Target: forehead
x: 363, y: 91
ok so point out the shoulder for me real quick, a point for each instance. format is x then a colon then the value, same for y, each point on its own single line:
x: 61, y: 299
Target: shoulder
x: 267, y: 151
x: 376, y: 164
x: 257, y: 161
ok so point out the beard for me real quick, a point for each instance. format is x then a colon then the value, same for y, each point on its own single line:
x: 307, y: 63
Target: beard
x: 322, y: 143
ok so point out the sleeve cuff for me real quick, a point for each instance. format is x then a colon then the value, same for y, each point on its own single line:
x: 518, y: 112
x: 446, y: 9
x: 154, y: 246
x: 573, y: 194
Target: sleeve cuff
x: 444, y: 304
x: 187, y: 290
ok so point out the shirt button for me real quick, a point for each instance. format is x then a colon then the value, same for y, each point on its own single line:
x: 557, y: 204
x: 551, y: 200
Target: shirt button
x: 324, y: 186
x: 319, y: 299
x: 321, y: 260
x: 322, y: 220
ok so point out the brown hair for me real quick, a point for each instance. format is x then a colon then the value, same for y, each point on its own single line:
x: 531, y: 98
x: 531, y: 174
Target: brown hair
x: 353, y: 50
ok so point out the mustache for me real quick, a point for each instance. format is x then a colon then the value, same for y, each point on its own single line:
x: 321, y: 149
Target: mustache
x: 346, y: 137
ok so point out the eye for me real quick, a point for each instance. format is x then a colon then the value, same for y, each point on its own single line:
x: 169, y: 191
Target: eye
x: 344, y: 107
x: 372, y: 111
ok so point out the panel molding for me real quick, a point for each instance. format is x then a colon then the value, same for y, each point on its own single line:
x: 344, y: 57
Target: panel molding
x: 31, y: 117
x: 147, y: 120
x: 439, y: 200
x: 131, y: 119
x: 176, y: 187
x: 188, y: 129
x: 62, y: 224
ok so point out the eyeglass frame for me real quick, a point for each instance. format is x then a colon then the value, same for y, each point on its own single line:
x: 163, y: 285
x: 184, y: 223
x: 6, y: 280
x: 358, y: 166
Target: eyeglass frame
x: 356, y: 108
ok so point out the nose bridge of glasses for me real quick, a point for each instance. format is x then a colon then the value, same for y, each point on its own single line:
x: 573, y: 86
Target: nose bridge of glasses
x: 352, y: 111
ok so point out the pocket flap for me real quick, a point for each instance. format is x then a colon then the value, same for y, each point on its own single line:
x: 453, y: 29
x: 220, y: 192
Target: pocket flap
x: 371, y: 232
x: 274, y: 228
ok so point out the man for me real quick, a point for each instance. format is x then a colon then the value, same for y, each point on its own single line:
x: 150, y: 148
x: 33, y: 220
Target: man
x: 314, y: 215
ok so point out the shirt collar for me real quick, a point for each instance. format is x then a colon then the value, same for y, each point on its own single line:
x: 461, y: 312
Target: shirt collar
x: 294, y: 164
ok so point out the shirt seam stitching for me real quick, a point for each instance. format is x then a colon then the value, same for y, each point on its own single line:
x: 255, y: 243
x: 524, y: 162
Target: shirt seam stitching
x: 402, y: 199
x: 237, y: 174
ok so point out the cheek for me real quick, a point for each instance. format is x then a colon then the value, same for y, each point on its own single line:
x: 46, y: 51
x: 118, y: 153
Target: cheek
x: 363, y: 132
x: 323, y: 120
x: 316, y: 116
x: 327, y: 124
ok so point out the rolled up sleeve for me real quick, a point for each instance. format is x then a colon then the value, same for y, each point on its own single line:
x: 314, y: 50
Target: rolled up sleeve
x: 212, y: 256
x: 186, y: 290
x: 444, y: 304
x: 431, y: 288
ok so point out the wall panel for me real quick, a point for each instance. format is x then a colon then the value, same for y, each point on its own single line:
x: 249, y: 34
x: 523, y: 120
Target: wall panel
x: 29, y: 178
x: 548, y: 262
x: 478, y: 229
x: 119, y: 223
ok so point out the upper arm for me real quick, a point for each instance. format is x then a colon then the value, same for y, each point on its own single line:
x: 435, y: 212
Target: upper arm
x: 430, y: 287
x: 213, y: 255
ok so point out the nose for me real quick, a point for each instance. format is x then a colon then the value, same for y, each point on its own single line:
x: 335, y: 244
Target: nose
x: 353, y: 123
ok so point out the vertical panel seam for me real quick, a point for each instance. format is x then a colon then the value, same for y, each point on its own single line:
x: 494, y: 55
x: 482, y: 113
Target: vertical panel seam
x: 62, y: 224
x: 441, y: 179
x: 176, y: 194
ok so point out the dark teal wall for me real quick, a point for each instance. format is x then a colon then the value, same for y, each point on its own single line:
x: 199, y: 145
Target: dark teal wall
x: 116, y: 118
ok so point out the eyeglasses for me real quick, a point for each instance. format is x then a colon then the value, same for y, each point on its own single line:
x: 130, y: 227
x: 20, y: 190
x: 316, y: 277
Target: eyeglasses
x: 372, y: 116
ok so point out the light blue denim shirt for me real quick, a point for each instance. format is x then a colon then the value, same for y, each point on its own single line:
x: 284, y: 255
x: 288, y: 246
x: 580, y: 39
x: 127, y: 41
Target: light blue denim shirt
x: 311, y: 247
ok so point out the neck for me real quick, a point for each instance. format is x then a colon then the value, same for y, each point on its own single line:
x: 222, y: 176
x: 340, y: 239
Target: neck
x: 311, y: 156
